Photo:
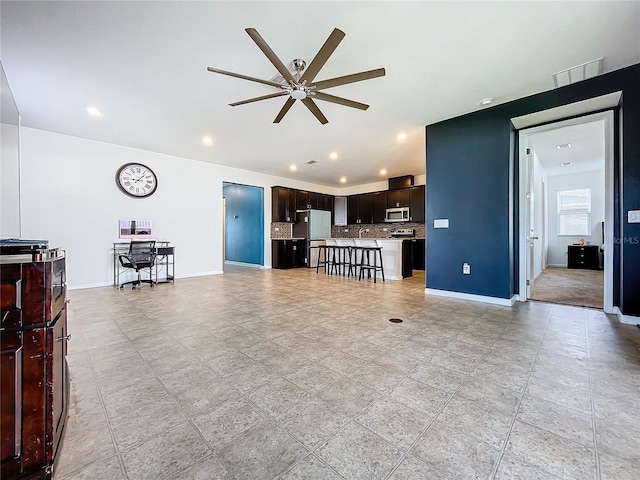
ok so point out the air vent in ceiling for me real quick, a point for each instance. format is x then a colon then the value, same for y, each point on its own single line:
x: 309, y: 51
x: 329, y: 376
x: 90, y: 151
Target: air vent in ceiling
x: 311, y: 162
x: 578, y: 73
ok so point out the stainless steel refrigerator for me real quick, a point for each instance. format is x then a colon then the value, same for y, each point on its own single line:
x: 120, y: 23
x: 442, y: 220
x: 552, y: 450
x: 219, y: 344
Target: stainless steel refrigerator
x: 312, y: 225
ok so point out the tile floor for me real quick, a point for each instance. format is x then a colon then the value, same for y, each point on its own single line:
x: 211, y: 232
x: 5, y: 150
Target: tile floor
x: 264, y: 374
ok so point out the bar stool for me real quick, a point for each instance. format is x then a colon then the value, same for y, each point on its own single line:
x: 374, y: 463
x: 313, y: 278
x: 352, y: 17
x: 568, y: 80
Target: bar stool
x: 322, y: 253
x: 340, y: 260
x: 365, y: 263
x: 355, y: 257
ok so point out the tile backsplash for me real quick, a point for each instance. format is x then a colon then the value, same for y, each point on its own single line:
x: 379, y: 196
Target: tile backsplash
x: 377, y: 230
x: 281, y: 230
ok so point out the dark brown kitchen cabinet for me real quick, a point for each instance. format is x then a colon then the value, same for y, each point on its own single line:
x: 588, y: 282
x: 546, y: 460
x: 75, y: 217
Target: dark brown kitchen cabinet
x: 398, y: 198
x: 288, y: 253
x: 314, y: 201
x: 360, y: 208
x: 33, y: 348
x: 417, y: 204
x: 302, y: 200
x: 285, y: 202
x: 379, y: 206
x: 282, y: 206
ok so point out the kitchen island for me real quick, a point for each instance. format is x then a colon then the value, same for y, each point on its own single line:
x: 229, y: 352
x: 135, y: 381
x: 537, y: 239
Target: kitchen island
x: 396, y: 260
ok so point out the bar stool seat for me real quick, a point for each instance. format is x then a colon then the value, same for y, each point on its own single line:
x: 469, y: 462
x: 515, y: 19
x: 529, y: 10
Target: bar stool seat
x: 366, y: 265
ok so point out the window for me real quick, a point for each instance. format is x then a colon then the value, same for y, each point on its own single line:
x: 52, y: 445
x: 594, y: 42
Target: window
x: 574, y: 212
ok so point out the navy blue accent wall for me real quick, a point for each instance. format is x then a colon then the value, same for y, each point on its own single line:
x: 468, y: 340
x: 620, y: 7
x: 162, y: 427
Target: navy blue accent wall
x: 472, y: 171
x: 244, y: 234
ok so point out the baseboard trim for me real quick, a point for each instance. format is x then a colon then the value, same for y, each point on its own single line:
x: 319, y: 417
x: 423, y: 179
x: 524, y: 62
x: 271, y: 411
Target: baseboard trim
x: 90, y: 285
x: 200, y: 274
x: 506, y: 302
x: 557, y: 265
x: 626, y: 319
x: 242, y: 264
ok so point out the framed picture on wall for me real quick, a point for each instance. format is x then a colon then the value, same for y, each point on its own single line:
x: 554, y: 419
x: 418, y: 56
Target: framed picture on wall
x: 134, y: 229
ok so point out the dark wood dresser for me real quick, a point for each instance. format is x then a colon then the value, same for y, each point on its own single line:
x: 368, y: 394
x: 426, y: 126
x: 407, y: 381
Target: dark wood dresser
x: 583, y: 256
x: 35, y: 380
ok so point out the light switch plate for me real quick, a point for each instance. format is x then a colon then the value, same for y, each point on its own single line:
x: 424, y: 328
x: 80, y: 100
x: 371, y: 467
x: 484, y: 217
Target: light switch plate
x: 441, y: 223
x: 633, y: 216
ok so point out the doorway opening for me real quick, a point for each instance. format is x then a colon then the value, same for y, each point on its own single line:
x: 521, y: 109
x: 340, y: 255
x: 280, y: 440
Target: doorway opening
x: 566, y: 212
x: 243, y: 225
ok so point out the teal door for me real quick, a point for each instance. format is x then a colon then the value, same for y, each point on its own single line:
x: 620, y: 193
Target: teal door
x: 244, y: 232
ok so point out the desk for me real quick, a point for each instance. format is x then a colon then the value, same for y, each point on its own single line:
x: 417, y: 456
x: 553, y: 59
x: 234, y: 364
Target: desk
x: 163, y: 271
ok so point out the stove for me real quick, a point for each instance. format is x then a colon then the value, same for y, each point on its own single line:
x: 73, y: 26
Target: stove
x: 403, y: 232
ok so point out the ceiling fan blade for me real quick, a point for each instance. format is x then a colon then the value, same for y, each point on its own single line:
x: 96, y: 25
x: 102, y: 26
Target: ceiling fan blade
x: 273, y: 58
x: 323, y: 55
x: 354, y: 77
x: 340, y: 101
x: 244, y: 77
x: 313, y: 108
x: 285, y: 108
x: 256, y: 99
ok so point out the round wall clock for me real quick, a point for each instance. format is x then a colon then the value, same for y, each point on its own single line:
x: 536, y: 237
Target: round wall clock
x: 136, y: 180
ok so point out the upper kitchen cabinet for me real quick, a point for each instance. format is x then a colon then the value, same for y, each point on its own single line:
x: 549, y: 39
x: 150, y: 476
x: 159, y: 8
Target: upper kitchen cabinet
x: 360, y: 208
x: 286, y: 201
x: 417, y: 204
x: 302, y: 200
x: 379, y: 206
x: 283, y: 207
x: 398, y: 198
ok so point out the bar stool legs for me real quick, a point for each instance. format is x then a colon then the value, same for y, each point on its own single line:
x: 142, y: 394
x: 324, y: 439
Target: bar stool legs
x: 365, y: 263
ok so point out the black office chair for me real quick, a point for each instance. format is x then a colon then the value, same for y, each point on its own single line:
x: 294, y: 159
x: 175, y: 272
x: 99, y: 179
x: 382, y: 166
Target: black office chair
x: 142, y: 255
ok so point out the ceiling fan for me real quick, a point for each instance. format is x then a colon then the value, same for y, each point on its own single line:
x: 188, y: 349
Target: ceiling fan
x: 300, y: 85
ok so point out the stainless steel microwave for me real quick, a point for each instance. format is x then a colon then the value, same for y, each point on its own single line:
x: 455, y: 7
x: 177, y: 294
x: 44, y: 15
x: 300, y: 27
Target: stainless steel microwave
x: 397, y: 214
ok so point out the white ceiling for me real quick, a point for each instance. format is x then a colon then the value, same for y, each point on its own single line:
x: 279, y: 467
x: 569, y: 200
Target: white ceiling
x: 586, y: 152
x: 144, y: 64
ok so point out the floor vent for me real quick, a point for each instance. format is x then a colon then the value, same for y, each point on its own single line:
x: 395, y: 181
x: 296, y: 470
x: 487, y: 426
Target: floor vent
x: 395, y: 320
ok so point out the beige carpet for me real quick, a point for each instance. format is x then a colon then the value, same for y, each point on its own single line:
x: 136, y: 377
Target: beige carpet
x: 570, y: 286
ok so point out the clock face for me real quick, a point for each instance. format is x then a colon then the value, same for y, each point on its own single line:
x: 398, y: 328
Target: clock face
x: 136, y: 180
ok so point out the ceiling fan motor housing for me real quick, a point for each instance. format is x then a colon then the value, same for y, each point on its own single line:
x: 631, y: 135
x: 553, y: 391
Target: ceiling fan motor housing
x: 299, y: 92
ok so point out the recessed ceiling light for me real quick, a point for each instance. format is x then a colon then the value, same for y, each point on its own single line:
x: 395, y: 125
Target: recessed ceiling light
x: 333, y: 155
x: 401, y: 136
x: 207, y: 140
x: 383, y: 172
x: 486, y: 101
x: 563, y: 146
x: 566, y: 164
x: 94, y: 112
x: 293, y: 168
x: 343, y: 180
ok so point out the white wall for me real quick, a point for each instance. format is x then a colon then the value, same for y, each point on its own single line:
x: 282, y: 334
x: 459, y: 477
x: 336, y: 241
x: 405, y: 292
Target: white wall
x: 9, y: 181
x: 557, y: 252
x: 69, y: 196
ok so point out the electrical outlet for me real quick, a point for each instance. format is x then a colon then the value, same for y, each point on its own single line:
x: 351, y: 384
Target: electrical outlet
x: 366, y: 230
x: 277, y: 229
x: 385, y: 229
x: 466, y: 269
x: 346, y: 230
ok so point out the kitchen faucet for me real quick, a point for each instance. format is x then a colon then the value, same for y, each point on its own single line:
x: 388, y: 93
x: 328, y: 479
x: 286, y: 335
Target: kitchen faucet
x: 362, y: 230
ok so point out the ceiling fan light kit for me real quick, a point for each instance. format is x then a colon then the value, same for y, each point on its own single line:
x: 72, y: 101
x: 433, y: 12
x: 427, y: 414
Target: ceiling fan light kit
x: 299, y: 85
